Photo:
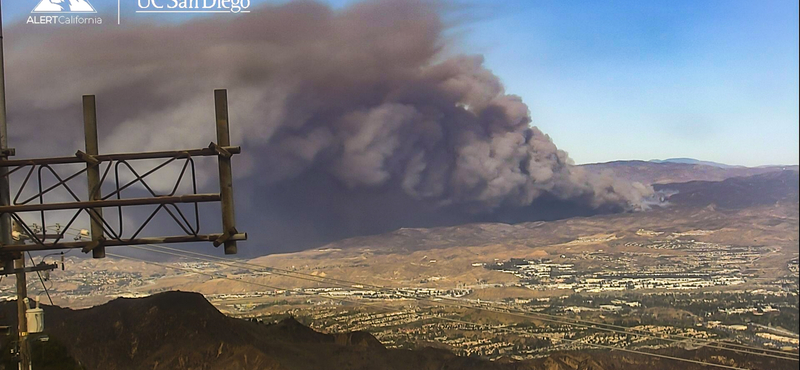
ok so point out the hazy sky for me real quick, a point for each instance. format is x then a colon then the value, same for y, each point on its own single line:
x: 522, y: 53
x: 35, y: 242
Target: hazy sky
x: 713, y: 80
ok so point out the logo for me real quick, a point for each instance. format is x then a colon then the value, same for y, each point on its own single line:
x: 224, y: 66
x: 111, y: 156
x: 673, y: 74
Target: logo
x: 64, y: 6
x: 82, y: 12
x: 63, y: 12
x: 194, y: 6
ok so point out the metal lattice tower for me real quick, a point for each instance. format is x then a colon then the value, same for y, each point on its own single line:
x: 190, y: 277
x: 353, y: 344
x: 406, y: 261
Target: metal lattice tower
x: 98, y: 171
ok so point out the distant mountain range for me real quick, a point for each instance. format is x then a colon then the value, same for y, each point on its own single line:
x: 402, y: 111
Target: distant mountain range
x: 737, y: 192
x: 677, y: 170
x: 772, y: 188
x: 694, y: 161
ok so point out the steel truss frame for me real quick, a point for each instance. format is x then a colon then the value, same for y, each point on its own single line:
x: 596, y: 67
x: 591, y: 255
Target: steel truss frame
x: 103, y: 233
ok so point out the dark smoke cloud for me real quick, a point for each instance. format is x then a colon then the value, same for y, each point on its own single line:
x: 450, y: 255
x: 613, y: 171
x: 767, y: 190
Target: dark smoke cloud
x: 353, y: 121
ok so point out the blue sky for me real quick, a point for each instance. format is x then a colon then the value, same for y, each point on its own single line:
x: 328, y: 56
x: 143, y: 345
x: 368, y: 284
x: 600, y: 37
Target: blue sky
x: 714, y: 80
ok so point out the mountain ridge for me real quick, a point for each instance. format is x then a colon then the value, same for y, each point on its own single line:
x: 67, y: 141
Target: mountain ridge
x: 662, y: 172
x: 736, y: 192
x: 696, y: 161
x: 183, y: 331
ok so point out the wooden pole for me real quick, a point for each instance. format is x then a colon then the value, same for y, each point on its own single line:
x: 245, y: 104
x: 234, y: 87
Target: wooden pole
x: 5, y: 220
x: 225, y: 176
x: 93, y: 172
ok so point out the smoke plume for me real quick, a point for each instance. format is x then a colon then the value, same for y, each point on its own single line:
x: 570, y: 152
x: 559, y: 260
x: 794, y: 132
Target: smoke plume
x: 352, y: 121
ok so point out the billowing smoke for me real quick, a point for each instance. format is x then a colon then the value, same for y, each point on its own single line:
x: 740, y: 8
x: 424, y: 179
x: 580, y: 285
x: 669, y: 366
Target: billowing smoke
x: 353, y: 122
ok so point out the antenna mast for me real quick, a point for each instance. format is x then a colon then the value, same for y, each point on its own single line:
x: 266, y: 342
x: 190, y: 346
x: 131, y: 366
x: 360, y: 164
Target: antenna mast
x: 5, y: 219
